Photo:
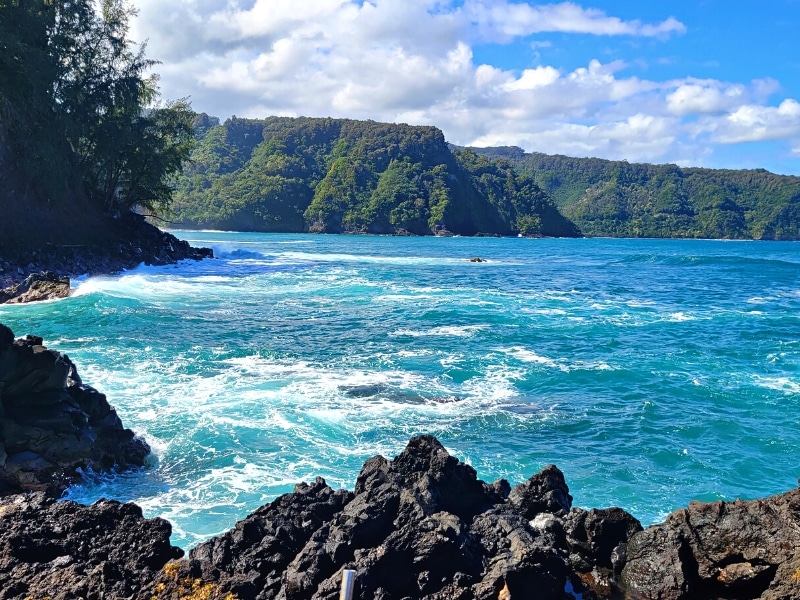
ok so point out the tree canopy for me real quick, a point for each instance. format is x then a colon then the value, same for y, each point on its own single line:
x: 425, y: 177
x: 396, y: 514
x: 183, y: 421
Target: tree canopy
x: 79, y: 117
x: 621, y: 199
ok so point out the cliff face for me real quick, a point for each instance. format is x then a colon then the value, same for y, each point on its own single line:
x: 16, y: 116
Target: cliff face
x: 285, y: 174
x: 617, y: 199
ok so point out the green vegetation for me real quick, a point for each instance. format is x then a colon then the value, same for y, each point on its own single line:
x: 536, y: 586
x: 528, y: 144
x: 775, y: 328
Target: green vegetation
x: 80, y: 133
x: 342, y: 176
x: 618, y: 199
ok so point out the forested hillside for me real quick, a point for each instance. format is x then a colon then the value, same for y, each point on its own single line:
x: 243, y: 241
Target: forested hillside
x: 618, y: 199
x: 337, y: 175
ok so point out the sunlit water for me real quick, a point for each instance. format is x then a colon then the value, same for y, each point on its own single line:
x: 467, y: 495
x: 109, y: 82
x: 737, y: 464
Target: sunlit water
x: 652, y: 372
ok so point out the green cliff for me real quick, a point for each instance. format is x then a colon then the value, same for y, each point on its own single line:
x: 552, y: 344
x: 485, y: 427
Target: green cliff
x: 343, y: 176
x: 618, y: 199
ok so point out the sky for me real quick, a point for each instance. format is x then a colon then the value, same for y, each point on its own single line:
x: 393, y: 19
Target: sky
x: 710, y: 83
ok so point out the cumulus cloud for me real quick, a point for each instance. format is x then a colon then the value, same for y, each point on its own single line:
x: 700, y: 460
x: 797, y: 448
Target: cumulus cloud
x: 414, y: 61
x: 703, y: 97
x: 753, y: 123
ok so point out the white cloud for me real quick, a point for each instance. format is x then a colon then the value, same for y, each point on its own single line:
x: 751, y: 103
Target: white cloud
x: 753, y: 123
x: 701, y: 97
x: 533, y: 78
x: 413, y: 61
x: 502, y: 20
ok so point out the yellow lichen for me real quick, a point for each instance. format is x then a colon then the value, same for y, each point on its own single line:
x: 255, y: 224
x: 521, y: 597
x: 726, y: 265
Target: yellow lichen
x: 796, y: 575
x: 171, y: 569
x: 190, y: 589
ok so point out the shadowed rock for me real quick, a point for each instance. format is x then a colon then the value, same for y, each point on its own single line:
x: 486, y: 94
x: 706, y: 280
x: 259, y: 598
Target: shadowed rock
x: 419, y: 526
x: 51, y: 424
x: 46, y: 285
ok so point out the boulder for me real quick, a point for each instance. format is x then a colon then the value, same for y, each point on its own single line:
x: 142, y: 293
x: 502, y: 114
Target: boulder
x: 546, y: 491
x: 719, y: 550
x: 51, y: 424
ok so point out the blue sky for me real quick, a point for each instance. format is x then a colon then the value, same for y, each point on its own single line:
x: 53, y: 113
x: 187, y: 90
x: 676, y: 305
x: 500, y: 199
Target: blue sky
x: 698, y: 83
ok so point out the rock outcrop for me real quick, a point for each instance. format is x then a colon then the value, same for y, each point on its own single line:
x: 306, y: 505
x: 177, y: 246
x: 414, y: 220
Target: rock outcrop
x: 63, y: 550
x: 720, y: 550
x: 419, y: 526
x: 46, y: 285
x: 51, y: 424
x: 131, y: 243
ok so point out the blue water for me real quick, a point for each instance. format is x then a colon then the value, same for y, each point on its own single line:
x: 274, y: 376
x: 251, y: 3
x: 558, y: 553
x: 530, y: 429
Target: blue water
x: 652, y: 372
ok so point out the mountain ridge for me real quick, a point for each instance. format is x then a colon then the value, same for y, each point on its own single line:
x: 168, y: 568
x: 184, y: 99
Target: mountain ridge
x: 322, y: 175
x: 620, y: 199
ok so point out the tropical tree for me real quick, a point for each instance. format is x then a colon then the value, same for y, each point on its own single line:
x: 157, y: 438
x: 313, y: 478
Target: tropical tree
x: 77, y: 101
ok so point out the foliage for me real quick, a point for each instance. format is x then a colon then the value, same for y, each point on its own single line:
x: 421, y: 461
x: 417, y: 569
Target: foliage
x: 338, y: 175
x: 618, y: 199
x: 74, y: 98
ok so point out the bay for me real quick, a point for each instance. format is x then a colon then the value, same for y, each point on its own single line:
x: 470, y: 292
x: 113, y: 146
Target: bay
x: 652, y: 372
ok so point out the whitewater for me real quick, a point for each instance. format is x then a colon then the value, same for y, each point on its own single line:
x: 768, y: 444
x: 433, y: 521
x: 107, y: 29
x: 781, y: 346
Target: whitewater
x: 652, y: 372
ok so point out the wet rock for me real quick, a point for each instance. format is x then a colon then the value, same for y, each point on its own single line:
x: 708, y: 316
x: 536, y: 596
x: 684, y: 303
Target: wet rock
x: 46, y: 285
x: 419, y: 526
x: 143, y: 243
x: 63, y: 550
x: 51, y: 424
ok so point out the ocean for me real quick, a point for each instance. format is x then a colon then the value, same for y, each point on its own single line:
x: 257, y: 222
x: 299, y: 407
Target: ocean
x: 652, y: 372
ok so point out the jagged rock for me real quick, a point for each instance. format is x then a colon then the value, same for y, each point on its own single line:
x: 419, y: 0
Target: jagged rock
x: 599, y: 536
x: 250, y: 560
x: 63, y: 550
x: 420, y: 526
x: 720, y: 550
x: 46, y: 285
x: 51, y: 424
x: 544, y: 492
x: 143, y: 243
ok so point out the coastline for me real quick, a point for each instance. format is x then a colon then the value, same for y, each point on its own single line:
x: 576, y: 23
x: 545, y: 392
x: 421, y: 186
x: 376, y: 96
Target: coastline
x: 421, y: 525
x: 143, y: 244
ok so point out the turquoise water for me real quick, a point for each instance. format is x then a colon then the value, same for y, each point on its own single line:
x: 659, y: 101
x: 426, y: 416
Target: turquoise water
x: 652, y: 372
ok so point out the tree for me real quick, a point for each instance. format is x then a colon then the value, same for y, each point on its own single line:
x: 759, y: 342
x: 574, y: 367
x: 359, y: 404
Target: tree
x: 78, y: 90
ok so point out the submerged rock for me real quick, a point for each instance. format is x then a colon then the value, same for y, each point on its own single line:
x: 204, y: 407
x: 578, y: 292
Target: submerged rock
x: 51, y: 424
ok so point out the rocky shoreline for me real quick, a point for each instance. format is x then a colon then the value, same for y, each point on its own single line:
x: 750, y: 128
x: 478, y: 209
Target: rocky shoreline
x: 43, y: 273
x: 421, y: 525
